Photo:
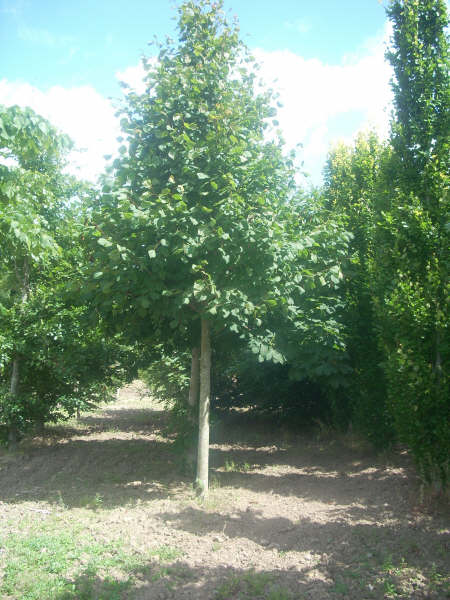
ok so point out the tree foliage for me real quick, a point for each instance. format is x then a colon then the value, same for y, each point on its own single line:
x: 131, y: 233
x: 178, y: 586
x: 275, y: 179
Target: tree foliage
x: 352, y: 190
x: 193, y: 223
x: 413, y: 288
x: 53, y: 357
x: 395, y: 202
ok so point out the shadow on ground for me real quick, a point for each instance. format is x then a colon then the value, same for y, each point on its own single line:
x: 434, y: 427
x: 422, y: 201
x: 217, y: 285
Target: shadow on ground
x: 182, y: 581
x: 120, y: 455
x: 326, y: 578
x: 124, y: 458
x: 344, y: 532
x: 121, y: 471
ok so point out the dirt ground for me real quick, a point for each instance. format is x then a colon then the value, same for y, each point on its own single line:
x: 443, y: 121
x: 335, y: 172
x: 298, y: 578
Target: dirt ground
x: 290, y: 516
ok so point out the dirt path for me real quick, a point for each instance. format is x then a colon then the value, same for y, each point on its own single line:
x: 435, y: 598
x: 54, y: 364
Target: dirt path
x: 289, y: 517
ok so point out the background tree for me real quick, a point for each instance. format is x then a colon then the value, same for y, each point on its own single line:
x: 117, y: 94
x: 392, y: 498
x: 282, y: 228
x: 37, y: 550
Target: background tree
x: 296, y: 373
x: 413, y: 284
x: 54, y: 358
x: 29, y: 187
x: 353, y: 193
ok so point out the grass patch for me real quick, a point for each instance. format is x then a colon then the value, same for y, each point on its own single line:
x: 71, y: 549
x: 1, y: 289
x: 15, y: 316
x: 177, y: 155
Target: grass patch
x: 93, y: 502
x: 49, y: 565
x: 174, y: 576
x: 231, y: 466
x: 166, y: 553
x: 384, y: 576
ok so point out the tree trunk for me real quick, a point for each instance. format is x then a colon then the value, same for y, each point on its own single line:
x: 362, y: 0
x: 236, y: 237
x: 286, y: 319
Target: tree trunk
x: 15, y: 374
x: 201, y: 482
x: 195, y: 378
x: 189, y: 459
x: 14, y: 390
x: 14, y: 386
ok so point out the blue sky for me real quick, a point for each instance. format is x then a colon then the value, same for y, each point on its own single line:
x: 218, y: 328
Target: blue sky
x: 64, y: 59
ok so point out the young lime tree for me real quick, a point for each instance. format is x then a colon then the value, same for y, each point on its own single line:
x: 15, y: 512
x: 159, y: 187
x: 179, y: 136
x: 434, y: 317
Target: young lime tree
x: 190, y: 232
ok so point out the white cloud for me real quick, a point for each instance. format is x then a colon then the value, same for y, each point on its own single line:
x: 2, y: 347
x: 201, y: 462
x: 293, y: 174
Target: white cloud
x: 82, y: 113
x: 317, y: 96
x: 134, y: 76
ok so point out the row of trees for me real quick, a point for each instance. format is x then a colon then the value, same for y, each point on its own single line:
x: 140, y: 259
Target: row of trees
x: 394, y: 198
x: 200, y: 254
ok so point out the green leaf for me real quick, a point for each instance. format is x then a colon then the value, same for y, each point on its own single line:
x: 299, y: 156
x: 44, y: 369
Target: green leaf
x: 104, y: 242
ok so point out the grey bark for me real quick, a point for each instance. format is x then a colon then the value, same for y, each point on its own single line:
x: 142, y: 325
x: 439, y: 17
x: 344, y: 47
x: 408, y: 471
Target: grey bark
x: 13, y: 437
x: 195, y: 378
x: 201, y: 483
x: 14, y: 386
x: 189, y: 459
x: 15, y: 373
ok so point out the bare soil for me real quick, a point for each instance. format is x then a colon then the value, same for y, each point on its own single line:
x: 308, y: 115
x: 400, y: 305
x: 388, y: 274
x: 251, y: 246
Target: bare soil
x: 290, y: 515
